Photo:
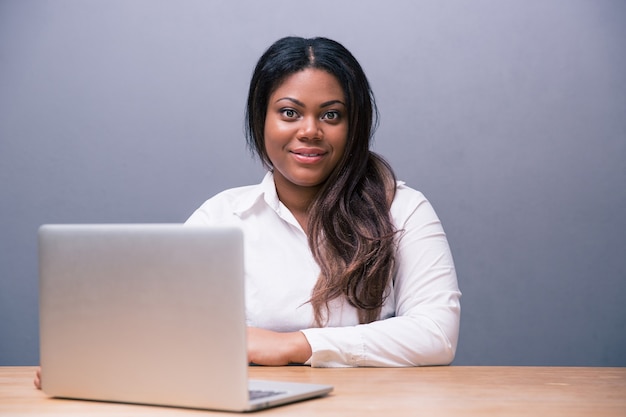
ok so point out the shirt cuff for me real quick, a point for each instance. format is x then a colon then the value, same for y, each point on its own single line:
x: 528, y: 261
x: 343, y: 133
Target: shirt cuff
x: 334, y: 347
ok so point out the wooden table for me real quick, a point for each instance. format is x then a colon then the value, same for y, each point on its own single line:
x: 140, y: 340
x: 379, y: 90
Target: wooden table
x: 431, y: 391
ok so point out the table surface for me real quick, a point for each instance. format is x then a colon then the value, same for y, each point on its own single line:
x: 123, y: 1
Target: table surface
x: 388, y: 392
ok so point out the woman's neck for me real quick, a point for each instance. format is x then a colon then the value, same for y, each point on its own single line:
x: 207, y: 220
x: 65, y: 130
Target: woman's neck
x: 296, y: 198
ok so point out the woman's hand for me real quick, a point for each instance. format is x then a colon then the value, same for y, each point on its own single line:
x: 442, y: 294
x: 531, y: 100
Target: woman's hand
x: 37, y: 380
x: 266, y: 347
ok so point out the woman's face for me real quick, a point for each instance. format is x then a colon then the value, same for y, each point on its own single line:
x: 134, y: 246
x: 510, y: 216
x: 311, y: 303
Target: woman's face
x: 306, y: 128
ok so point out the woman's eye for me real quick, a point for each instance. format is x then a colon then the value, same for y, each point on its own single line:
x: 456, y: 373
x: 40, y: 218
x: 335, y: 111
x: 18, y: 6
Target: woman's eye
x: 331, y: 115
x: 289, y: 113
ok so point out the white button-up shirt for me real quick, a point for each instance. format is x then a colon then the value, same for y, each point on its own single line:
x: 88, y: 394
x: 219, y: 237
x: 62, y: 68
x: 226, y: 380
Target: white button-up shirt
x: 419, y: 322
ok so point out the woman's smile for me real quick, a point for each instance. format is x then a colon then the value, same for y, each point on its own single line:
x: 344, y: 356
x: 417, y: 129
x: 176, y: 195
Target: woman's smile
x: 308, y: 155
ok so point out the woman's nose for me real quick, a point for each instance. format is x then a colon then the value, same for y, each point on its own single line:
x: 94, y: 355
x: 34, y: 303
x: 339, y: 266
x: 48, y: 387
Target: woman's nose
x: 310, y: 129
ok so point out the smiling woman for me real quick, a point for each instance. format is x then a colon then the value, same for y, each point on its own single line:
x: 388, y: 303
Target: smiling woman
x: 344, y: 265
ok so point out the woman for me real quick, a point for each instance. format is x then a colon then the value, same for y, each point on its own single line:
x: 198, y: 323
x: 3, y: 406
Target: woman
x: 344, y: 265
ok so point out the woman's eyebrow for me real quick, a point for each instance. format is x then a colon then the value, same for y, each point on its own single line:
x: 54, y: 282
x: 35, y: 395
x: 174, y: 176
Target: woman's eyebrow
x: 293, y: 100
x: 301, y: 104
x: 331, y: 102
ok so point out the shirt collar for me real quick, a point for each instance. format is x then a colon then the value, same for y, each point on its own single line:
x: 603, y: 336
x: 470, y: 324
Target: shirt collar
x: 263, y: 192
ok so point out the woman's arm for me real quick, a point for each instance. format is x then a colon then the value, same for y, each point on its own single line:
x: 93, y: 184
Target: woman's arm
x: 266, y: 347
x: 424, y: 326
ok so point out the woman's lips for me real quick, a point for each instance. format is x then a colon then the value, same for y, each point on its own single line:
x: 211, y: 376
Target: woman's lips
x: 308, y: 156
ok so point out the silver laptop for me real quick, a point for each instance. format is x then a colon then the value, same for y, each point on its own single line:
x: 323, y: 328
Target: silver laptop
x: 149, y: 314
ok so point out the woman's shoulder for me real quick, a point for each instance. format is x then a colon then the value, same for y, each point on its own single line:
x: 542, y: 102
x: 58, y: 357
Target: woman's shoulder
x: 224, y: 205
x: 407, y: 201
x: 405, y: 194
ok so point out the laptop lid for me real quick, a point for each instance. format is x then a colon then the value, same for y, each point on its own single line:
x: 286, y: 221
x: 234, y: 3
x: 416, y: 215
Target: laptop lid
x: 150, y: 314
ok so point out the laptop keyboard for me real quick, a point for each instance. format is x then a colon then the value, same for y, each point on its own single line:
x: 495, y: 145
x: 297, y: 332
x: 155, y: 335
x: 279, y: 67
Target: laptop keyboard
x: 256, y: 394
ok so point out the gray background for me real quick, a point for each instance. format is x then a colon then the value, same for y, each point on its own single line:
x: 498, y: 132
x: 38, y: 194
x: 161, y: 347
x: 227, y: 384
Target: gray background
x: 509, y: 115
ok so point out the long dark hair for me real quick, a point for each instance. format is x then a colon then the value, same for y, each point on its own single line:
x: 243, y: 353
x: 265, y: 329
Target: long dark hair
x: 351, y: 234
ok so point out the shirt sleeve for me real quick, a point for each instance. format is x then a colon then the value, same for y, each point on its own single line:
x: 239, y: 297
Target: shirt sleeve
x: 424, y: 329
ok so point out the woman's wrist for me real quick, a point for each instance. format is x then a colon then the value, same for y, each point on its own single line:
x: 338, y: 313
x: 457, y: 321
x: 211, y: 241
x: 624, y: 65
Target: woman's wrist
x: 299, y: 348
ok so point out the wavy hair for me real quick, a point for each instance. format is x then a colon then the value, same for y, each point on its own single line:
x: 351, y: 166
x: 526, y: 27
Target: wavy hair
x: 351, y: 234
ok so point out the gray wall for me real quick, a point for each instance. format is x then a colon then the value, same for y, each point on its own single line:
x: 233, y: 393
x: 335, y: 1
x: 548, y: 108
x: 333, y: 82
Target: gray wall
x: 509, y: 115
